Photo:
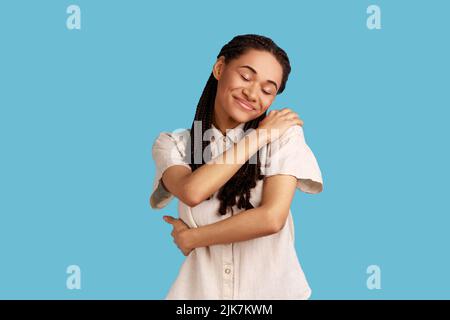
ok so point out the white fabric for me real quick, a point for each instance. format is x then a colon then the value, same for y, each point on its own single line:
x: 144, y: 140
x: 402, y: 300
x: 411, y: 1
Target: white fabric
x: 261, y: 268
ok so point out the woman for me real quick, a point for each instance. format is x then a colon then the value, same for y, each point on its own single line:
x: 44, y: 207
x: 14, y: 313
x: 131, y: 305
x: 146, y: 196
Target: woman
x: 235, y: 225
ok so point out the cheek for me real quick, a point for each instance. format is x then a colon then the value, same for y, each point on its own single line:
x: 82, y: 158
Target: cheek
x: 227, y: 85
x: 222, y: 92
x: 234, y: 81
x: 266, y: 103
x: 235, y: 85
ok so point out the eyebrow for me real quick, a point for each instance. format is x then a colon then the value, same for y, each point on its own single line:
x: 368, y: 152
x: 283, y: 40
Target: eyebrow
x: 254, y: 71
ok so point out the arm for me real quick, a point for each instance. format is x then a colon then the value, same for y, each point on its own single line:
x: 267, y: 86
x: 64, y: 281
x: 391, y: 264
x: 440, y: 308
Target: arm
x: 194, y: 187
x: 267, y: 219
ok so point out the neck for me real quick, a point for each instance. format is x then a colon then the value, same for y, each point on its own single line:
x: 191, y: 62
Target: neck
x: 222, y: 121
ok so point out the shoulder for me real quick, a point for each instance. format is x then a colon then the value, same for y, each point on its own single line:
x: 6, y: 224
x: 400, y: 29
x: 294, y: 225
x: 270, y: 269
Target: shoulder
x: 169, y: 138
x: 293, y: 136
x: 293, y: 132
x: 173, y: 142
x: 291, y: 155
x: 289, y: 147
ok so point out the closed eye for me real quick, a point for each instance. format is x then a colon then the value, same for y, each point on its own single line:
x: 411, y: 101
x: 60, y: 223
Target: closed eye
x: 265, y: 92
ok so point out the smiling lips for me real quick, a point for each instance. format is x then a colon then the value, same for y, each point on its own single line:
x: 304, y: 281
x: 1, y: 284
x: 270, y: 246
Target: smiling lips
x: 244, y: 104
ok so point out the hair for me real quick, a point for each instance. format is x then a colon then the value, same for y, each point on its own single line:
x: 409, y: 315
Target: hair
x: 246, y: 177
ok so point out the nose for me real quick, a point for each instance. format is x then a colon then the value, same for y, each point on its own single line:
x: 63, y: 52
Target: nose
x: 250, y: 93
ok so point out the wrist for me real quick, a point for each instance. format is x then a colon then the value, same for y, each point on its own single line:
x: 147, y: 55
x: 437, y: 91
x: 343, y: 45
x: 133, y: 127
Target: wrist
x: 190, y: 237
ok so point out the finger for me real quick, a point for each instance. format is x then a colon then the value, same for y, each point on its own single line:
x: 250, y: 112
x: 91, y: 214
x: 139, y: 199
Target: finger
x: 169, y: 219
x: 272, y: 112
x: 298, y: 122
x: 290, y: 115
x: 179, y: 224
x: 284, y: 111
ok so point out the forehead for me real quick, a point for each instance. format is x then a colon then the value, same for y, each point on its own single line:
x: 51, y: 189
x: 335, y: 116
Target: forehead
x: 265, y: 64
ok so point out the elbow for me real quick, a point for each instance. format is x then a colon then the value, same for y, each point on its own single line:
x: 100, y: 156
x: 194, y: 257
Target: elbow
x: 275, y: 220
x: 274, y: 227
x: 153, y: 203
x: 191, y: 197
x: 190, y: 202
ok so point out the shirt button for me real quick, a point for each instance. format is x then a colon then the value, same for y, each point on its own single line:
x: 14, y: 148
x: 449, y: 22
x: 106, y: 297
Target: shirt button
x: 227, y: 270
x: 224, y: 139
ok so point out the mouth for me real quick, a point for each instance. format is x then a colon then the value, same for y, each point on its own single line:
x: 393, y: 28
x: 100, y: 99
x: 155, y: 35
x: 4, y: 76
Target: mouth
x: 244, y: 104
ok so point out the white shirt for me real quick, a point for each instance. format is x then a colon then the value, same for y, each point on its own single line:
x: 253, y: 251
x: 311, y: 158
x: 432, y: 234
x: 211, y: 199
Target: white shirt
x: 261, y: 268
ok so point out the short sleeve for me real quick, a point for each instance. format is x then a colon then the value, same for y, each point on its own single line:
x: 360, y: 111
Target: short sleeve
x: 168, y: 149
x: 290, y: 155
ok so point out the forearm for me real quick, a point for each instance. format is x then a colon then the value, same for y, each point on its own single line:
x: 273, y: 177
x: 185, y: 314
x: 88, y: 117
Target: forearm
x: 210, y: 177
x: 247, y: 225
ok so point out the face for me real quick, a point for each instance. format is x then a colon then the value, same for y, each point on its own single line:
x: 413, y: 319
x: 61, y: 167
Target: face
x: 247, y: 85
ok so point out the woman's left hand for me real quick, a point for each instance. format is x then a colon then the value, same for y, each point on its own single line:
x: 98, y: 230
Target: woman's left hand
x: 179, y: 233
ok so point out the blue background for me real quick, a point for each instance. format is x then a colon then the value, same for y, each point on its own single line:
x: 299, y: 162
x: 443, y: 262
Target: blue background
x: 80, y: 109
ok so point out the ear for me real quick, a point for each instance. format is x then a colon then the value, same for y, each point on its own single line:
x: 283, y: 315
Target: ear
x: 218, y: 67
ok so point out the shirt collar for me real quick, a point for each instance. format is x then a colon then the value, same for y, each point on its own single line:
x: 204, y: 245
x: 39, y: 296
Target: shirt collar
x: 234, y: 134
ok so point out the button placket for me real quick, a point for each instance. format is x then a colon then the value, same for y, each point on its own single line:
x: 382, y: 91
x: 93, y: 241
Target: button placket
x: 228, y: 281
x: 228, y: 271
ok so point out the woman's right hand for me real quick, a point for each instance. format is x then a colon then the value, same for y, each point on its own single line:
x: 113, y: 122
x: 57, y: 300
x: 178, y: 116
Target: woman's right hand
x: 277, y: 122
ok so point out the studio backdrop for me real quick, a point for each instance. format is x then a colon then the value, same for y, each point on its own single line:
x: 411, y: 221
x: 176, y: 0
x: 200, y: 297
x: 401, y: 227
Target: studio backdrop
x: 86, y: 87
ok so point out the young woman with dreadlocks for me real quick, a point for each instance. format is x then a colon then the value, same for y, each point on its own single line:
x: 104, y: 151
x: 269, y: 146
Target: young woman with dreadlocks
x: 235, y: 225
